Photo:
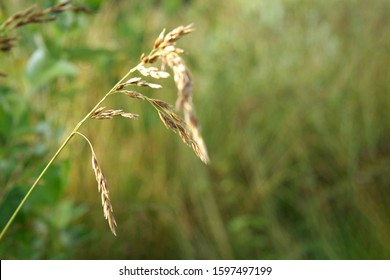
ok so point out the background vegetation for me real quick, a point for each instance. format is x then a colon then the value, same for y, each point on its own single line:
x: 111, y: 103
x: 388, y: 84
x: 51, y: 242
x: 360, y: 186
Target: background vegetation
x: 294, y: 99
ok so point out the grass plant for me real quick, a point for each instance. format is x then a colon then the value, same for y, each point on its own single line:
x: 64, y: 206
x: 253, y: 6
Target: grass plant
x: 165, y: 51
x: 293, y: 95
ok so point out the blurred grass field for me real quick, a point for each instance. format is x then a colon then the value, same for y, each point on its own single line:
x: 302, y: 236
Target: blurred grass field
x: 294, y: 101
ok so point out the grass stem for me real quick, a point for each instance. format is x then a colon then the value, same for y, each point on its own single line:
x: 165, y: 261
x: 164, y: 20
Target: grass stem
x: 57, y: 153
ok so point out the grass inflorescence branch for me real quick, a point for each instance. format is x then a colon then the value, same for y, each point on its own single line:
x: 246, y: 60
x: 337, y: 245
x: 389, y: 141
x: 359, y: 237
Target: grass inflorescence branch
x: 188, y: 128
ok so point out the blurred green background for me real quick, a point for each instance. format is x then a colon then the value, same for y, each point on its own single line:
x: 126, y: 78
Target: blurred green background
x: 294, y: 101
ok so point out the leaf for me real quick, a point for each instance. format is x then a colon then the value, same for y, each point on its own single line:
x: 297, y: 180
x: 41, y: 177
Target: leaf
x: 37, y: 62
x: 38, y: 76
x: 6, y: 119
x: 52, y: 186
x: 44, y: 67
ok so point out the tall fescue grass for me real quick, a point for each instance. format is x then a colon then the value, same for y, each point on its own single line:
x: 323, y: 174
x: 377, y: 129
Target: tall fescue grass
x: 294, y: 101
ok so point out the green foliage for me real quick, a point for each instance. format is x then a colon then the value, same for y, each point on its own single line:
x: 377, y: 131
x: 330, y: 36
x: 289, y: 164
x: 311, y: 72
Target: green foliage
x: 42, y: 68
x: 47, y: 214
x: 27, y: 136
x: 294, y: 101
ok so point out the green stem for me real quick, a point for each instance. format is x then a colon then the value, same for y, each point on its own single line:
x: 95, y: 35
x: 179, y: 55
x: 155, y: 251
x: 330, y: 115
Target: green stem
x: 74, y: 131
x: 89, y: 142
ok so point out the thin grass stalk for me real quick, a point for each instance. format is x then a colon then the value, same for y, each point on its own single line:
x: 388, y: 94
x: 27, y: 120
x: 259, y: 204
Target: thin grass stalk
x: 57, y: 153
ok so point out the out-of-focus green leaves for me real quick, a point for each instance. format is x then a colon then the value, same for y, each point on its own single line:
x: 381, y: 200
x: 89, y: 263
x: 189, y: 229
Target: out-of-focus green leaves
x: 6, y: 116
x: 51, y: 188
x: 26, y: 139
x: 42, y: 67
x: 52, y: 70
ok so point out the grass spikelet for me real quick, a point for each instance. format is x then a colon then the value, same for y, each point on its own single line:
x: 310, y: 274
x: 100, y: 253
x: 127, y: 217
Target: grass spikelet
x: 133, y: 94
x: 184, y: 102
x: 101, y: 113
x: 153, y: 72
x: 137, y: 81
x: 103, y: 189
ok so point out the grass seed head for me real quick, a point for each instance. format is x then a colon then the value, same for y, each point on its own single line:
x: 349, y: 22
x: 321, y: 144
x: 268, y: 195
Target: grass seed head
x: 103, y: 189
